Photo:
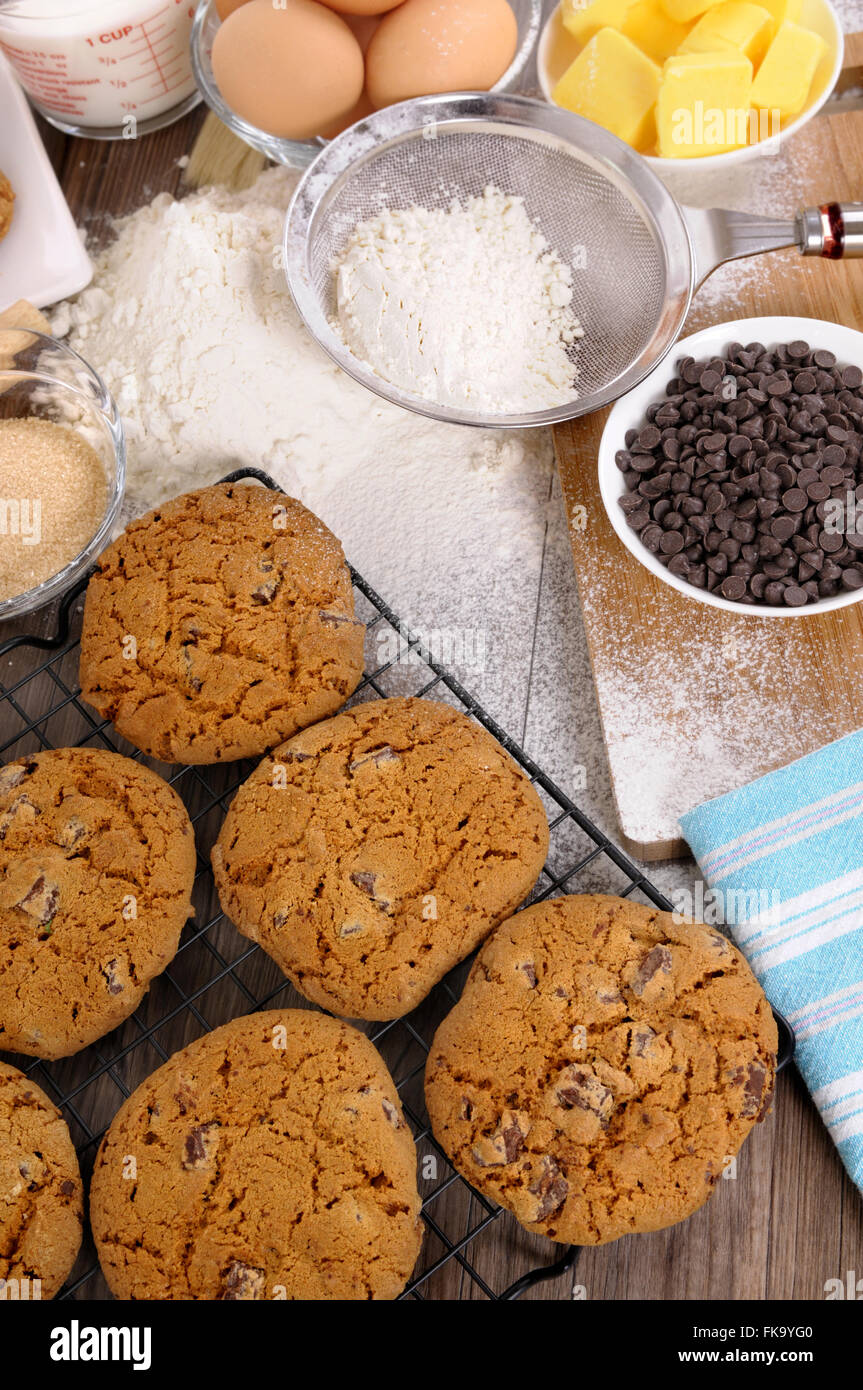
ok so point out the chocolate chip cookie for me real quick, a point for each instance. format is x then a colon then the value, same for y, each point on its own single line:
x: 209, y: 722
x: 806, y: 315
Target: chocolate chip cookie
x: 372, y: 853
x: 97, y: 859
x: 601, y: 1067
x: 40, y: 1191
x: 220, y: 624
x: 268, y: 1160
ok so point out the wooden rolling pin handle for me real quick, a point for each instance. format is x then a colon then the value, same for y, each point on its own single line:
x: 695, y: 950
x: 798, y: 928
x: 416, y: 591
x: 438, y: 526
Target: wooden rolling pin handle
x: 834, y: 230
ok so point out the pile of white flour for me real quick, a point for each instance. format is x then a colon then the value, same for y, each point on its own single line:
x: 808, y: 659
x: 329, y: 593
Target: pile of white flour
x: 466, y: 306
x: 190, y: 322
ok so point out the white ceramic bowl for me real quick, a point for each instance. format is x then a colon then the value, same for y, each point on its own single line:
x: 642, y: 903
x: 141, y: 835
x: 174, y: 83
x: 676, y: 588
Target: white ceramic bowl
x: 556, y: 50
x: 630, y: 410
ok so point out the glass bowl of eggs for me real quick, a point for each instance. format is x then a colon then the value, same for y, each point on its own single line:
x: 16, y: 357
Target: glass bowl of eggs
x: 287, y: 78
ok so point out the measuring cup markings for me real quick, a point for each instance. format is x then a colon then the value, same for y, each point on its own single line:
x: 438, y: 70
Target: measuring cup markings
x: 97, y: 77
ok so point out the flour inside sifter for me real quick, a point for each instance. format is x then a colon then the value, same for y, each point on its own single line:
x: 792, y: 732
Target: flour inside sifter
x: 466, y: 306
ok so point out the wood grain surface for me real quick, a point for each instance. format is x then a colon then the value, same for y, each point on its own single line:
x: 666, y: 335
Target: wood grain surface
x: 772, y: 689
x: 789, y: 1220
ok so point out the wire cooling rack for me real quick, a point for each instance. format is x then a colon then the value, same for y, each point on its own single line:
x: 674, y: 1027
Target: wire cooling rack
x: 216, y: 975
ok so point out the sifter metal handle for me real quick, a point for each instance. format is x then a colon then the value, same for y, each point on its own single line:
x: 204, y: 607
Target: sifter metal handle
x: 719, y: 235
x: 833, y: 230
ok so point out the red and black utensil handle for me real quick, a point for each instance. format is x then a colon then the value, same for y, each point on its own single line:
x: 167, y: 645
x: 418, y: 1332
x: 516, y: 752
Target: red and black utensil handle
x: 833, y: 230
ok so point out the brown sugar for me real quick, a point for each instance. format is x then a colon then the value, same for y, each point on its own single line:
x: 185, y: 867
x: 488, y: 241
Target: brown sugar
x: 53, y: 495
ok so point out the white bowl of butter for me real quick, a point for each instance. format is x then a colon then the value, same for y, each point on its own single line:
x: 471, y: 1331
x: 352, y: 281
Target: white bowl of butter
x: 557, y: 50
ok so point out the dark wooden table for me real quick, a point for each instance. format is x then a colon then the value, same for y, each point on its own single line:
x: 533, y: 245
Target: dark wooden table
x: 790, y: 1219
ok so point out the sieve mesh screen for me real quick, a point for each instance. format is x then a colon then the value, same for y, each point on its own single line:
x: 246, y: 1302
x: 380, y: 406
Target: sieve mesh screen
x: 588, y: 217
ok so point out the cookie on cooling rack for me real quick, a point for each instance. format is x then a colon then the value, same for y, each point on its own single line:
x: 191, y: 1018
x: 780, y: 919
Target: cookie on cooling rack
x: 288, y: 1126
x: 97, y: 860
x: 600, y: 1068
x: 372, y: 853
x: 218, y: 625
x: 41, y: 1205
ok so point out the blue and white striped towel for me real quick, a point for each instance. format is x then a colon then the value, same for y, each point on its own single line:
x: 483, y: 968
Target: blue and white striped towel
x: 786, y: 852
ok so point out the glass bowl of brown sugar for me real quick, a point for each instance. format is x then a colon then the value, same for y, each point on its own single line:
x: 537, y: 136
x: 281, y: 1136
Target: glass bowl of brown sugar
x: 62, y: 469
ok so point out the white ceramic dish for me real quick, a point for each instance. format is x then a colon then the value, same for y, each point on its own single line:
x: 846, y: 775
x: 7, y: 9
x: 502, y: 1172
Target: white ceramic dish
x: 556, y: 50
x: 41, y: 257
x: 629, y: 412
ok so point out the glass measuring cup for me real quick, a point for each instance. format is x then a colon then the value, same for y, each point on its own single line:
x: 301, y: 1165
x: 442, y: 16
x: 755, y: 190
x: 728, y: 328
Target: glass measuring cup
x: 106, y: 69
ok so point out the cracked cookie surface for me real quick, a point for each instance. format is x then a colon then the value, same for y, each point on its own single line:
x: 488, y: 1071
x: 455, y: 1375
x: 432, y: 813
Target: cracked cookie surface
x: 372, y: 853
x: 270, y: 1159
x: 97, y: 860
x: 240, y: 609
x: 601, y: 1067
x: 41, y: 1200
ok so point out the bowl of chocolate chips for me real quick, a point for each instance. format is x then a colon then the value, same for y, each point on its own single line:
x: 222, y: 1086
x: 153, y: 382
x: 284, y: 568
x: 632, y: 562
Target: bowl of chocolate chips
x: 734, y: 472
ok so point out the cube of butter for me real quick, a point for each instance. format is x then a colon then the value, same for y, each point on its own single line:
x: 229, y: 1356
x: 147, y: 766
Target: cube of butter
x: 652, y: 31
x: 736, y: 25
x: 684, y: 11
x: 780, y: 10
x: 583, y: 21
x: 613, y: 83
x: 785, y: 77
x: 703, y: 104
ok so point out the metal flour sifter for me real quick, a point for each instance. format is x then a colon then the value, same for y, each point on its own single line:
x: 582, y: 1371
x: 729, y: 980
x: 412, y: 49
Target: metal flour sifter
x: 597, y: 202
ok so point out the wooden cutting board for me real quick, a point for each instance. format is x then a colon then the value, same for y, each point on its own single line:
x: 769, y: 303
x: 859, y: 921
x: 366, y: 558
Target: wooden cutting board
x: 693, y: 701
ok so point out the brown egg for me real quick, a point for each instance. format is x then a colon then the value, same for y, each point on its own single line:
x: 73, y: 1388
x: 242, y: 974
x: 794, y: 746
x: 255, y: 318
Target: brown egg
x: 429, y: 46
x: 361, y: 6
x: 362, y: 26
x: 362, y: 108
x: 226, y: 7
x: 290, y: 71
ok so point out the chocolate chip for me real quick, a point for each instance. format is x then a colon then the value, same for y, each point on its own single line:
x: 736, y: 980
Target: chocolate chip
x: 757, y: 1091
x: 113, y: 976
x: 41, y: 900
x: 734, y: 587
x: 242, y: 1282
x: 579, y: 1086
x: 12, y: 775
x: 200, y: 1145
x: 22, y: 812
x: 365, y: 881
x: 266, y: 592
x: 550, y: 1188
x: 391, y: 1113
x: 505, y: 1143
x: 657, y: 961
x: 641, y: 1038
x: 794, y: 596
x: 795, y: 499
